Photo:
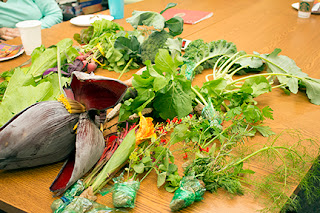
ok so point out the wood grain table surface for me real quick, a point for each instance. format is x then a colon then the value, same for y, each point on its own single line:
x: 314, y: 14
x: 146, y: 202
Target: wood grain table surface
x: 253, y: 25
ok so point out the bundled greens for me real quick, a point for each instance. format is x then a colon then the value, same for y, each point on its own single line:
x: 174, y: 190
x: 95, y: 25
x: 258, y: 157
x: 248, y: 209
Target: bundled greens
x: 162, y: 87
x: 26, y: 86
x: 208, y: 123
x: 189, y: 191
x: 226, y: 61
x: 108, y: 45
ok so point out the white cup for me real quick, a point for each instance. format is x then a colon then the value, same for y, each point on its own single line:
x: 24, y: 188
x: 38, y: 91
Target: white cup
x: 30, y: 32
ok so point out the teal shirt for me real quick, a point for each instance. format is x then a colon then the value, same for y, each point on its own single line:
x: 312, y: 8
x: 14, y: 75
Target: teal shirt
x: 14, y: 11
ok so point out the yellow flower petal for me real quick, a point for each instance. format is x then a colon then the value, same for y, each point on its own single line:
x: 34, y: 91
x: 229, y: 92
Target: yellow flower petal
x: 146, y: 129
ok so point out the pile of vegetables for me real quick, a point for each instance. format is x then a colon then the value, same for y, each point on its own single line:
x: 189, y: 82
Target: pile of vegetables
x: 108, y: 46
x: 159, y: 118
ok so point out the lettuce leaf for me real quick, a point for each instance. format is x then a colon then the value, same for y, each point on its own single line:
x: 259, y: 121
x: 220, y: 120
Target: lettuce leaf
x: 23, y: 91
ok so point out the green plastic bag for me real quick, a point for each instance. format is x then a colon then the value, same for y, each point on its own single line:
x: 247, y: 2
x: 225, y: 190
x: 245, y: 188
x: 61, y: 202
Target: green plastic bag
x: 76, y: 189
x: 189, y: 191
x: 125, y: 193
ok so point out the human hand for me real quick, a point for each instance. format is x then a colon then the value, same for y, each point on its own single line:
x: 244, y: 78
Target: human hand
x: 9, y: 33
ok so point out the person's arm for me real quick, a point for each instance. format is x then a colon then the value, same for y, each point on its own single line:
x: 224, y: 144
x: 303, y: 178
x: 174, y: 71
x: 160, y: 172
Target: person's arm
x: 51, y: 12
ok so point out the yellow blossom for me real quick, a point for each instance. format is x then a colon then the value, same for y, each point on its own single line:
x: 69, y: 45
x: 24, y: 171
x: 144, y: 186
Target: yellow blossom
x: 146, y: 129
x: 71, y: 105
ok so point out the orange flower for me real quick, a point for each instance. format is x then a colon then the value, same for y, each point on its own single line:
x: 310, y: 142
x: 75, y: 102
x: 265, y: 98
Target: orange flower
x: 146, y: 129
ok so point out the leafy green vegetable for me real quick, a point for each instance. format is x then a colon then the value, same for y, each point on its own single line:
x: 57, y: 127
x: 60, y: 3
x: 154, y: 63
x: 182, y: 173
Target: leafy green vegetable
x: 149, y: 48
x: 225, y: 61
x: 162, y: 87
x: 98, y: 28
x: 23, y: 91
x: 170, y: 5
x: 48, y: 58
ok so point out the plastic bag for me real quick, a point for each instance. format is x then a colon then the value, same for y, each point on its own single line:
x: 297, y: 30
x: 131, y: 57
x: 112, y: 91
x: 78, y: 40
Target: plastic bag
x: 124, y: 193
x: 212, y: 115
x: 76, y: 189
x: 189, y: 191
x: 84, y: 205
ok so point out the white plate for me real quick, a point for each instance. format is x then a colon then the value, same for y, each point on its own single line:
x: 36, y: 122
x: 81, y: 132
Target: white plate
x: 315, y: 8
x: 87, y: 20
x: 16, y: 55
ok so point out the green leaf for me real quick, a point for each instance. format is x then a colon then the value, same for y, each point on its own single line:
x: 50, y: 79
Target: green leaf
x: 267, y: 112
x: 265, y: 131
x: 129, y: 45
x: 146, y: 18
x: 214, y: 87
x: 161, y: 179
x: 247, y: 171
x: 256, y: 86
x: 164, y: 62
x: 232, y: 113
x: 22, y: 91
x: 159, y: 80
x: 170, y: 188
x: 146, y: 159
x: 103, y: 26
x: 285, y: 65
x: 170, y: 5
x: 176, y: 102
x: 174, y: 45
x: 312, y: 89
x: 139, y: 168
x: 251, y: 62
x: 175, y: 25
x: 48, y: 58
x: 252, y: 114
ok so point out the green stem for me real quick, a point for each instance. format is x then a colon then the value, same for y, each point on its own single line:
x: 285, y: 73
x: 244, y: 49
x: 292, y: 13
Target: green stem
x: 199, y: 95
x: 154, y: 163
x: 262, y: 74
x: 216, y: 65
x: 238, y: 69
x: 204, y: 59
x: 59, y: 71
x: 224, y: 71
x: 198, y: 101
x: 124, y: 69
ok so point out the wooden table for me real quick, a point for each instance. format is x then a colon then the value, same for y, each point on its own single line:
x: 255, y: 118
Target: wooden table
x: 253, y: 25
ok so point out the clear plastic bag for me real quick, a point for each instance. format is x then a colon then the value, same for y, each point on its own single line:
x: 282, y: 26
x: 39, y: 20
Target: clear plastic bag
x: 125, y: 193
x: 189, y: 191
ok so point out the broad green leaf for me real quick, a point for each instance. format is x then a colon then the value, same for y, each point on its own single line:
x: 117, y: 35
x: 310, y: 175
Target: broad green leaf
x: 21, y: 93
x: 256, y: 86
x: 146, y: 18
x: 215, y: 87
x: 285, y: 65
x: 174, y: 45
x: 164, y: 62
x: 176, y: 102
x: 5, y: 113
x: 161, y: 179
x: 159, y: 80
x: 175, y: 25
x: 48, y: 58
x: 312, y: 89
x: 139, y: 168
